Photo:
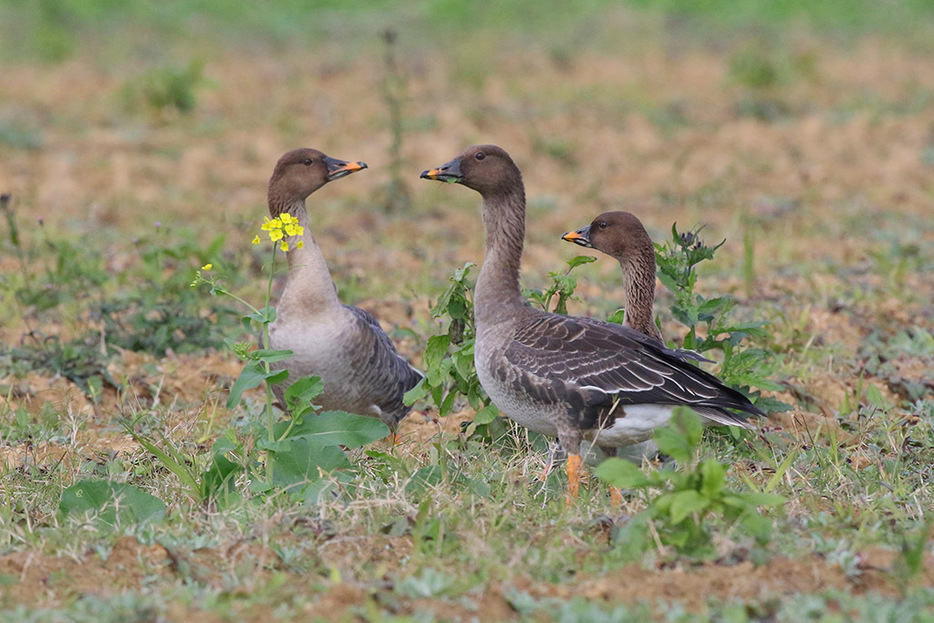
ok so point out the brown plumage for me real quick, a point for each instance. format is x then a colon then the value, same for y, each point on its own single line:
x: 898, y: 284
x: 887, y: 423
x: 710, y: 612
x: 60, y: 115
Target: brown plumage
x: 622, y: 236
x: 577, y: 378
x: 344, y: 345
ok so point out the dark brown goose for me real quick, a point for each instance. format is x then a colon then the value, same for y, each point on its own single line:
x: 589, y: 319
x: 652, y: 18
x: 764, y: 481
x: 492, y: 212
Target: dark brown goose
x: 577, y: 378
x: 344, y: 345
x: 622, y: 236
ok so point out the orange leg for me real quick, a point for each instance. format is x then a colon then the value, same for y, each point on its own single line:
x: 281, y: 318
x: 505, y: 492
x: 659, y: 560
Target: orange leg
x: 573, y: 467
x: 616, y: 496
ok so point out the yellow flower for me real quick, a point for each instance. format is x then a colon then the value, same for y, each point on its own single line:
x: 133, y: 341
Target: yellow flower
x: 285, y: 246
x: 287, y: 218
x: 299, y: 244
x: 271, y: 225
x: 276, y: 235
x: 207, y: 267
x: 291, y: 229
x: 255, y: 239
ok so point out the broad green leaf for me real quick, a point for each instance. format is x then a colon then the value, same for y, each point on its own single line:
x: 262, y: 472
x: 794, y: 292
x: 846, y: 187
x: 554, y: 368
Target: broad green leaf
x: 296, y: 461
x: 115, y: 503
x: 486, y: 415
x: 578, y: 260
x: 683, y: 503
x: 463, y: 363
x: 435, y: 350
x: 621, y: 474
x: 251, y: 376
x: 457, y: 308
x: 418, y: 392
x: 336, y: 428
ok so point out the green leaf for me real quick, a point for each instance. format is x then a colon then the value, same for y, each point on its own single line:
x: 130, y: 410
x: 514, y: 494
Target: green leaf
x: 296, y: 461
x: 713, y: 478
x: 463, y: 363
x: 617, y: 317
x: 336, y: 428
x: 436, y: 349
x: 673, y: 443
x: 270, y: 355
x: 419, y: 392
x: 579, y: 260
x: 299, y: 396
x: 621, y: 474
x: 218, y: 480
x: 486, y: 415
x: 251, y: 376
x: 683, y: 503
x: 457, y: 308
x: 114, y: 503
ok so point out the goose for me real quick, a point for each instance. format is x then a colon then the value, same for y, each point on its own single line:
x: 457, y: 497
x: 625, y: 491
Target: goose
x: 571, y: 377
x: 343, y: 345
x: 622, y: 236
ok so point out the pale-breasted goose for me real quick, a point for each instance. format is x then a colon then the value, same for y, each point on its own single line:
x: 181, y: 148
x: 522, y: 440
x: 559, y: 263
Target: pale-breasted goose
x: 622, y: 236
x: 342, y: 344
x: 577, y: 378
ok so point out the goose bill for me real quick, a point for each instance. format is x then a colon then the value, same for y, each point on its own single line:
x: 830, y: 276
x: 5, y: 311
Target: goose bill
x: 338, y: 168
x: 450, y: 173
x: 581, y: 237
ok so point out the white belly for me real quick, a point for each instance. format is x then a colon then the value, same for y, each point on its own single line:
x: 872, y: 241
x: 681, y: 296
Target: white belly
x: 637, y: 426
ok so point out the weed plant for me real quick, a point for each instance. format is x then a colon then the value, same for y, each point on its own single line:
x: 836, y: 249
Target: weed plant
x: 450, y: 374
x: 294, y: 454
x: 682, y: 498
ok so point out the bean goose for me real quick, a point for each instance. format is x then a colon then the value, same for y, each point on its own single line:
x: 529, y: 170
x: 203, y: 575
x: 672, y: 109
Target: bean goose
x: 577, y: 378
x: 622, y: 236
x: 344, y: 345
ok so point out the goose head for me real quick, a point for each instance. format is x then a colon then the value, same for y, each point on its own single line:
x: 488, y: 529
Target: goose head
x: 487, y: 169
x: 301, y: 172
x: 620, y: 235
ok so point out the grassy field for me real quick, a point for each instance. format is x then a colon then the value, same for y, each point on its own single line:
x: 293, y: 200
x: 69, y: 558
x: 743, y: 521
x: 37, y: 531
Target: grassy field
x: 136, y: 140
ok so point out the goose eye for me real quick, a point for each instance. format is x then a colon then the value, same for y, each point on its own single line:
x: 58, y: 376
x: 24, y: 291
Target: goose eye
x: 480, y: 155
x: 307, y: 162
x: 602, y: 225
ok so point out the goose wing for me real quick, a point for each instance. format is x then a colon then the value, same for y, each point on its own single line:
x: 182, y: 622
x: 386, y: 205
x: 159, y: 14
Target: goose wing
x: 384, y: 372
x: 581, y: 357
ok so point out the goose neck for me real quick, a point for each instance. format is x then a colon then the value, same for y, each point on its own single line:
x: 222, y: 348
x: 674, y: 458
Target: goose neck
x: 498, y: 292
x: 309, y: 288
x: 639, y: 275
